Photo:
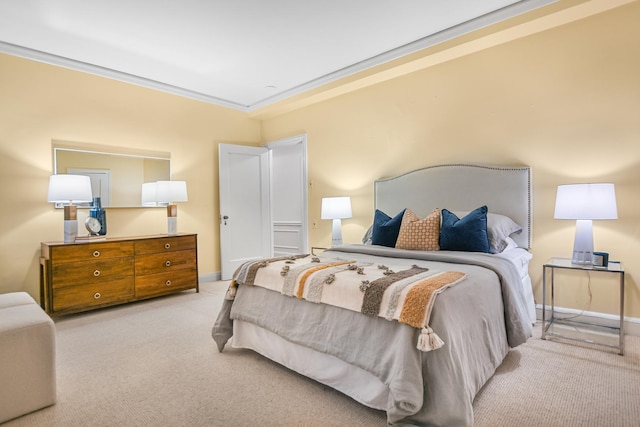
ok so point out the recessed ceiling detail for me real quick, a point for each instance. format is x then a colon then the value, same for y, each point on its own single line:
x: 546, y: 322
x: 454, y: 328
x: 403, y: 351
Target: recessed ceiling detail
x: 240, y: 54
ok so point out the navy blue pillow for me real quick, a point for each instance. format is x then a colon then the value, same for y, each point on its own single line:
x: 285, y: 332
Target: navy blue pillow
x: 386, y: 229
x: 467, y: 234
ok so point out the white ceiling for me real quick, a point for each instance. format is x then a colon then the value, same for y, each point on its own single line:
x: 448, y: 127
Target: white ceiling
x: 243, y: 54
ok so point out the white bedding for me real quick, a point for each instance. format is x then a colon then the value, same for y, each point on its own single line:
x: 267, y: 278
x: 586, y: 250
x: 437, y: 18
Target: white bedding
x: 349, y: 379
x: 520, y: 258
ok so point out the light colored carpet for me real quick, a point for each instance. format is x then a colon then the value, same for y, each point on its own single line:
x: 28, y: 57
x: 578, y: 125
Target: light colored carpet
x: 154, y: 364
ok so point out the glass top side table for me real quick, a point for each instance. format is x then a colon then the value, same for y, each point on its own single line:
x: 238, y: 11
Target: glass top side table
x: 552, y: 324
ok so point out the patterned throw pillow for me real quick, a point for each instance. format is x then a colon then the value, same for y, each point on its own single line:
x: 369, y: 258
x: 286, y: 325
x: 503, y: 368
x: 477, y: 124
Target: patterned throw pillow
x: 419, y: 234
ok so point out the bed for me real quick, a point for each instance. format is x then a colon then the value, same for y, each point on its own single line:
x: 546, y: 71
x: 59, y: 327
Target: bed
x: 422, y: 373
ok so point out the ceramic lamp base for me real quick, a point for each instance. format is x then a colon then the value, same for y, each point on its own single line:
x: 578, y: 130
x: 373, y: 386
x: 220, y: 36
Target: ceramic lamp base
x: 70, y: 230
x: 336, y: 233
x: 172, y: 225
x: 583, y: 242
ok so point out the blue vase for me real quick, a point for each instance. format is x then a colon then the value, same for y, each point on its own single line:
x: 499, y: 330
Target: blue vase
x: 99, y: 213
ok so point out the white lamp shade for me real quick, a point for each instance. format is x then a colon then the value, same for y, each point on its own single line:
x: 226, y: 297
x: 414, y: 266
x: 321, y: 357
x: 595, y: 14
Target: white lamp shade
x: 171, y: 191
x: 336, y: 208
x: 149, y: 194
x: 69, y: 188
x: 586, y: 201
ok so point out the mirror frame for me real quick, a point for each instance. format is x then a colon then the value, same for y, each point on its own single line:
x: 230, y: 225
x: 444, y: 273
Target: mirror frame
x: 66, y: 146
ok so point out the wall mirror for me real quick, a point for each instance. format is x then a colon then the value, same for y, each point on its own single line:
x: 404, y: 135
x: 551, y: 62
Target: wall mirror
x: 116, y: 174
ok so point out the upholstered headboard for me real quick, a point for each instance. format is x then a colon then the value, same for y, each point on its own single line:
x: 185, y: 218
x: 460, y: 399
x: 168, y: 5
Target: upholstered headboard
x: 503, y: 189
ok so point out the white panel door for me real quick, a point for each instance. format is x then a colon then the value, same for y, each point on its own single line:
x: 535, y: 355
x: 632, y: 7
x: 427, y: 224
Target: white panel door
x: 245, y: 213
x: 289, y: 195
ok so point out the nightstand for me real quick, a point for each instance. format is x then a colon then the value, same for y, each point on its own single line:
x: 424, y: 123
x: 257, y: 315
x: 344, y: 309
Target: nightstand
x: 568, y: 327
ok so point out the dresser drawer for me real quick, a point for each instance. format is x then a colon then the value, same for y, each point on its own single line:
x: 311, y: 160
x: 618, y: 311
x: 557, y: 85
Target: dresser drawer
x: 90, y: 251
x: 167, y: 244
x: 164, y: 283
x: 77, y: 273
x: 86, y: 296
x: 162, y: 263
x: 76, y: 277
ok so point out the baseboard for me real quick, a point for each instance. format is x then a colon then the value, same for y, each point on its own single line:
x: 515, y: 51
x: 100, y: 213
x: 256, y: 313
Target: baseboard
x: 210, y: 277
x: 631, y: 324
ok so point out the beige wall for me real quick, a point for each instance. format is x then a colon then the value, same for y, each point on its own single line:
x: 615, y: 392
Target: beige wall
x: 40, y: 103
x: 565, y: 102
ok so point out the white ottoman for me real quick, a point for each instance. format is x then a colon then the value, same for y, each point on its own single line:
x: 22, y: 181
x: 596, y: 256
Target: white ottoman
x: 27, y: 356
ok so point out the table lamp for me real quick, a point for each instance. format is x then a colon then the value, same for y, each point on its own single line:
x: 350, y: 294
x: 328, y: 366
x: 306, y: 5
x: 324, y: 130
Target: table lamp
x: 585, y: 203
x: 149, y: 194
x: 336, y: 209
x: 170, y: 192
x: 66, y: 188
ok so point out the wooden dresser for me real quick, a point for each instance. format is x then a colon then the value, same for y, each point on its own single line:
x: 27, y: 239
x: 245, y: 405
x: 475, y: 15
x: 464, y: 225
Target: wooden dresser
x: 77, y: 277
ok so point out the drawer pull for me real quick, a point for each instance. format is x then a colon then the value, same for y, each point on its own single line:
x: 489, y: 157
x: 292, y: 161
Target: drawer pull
x: 96, y: 273
x: 168, y: 283
x: 167, y: 245
x: 96, y: 254
x: 167, y: 263
x: 97, y: 295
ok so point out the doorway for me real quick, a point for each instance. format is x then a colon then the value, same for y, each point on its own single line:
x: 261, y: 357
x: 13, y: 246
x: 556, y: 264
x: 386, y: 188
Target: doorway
x: 268, y: 198
x: 289, y: 218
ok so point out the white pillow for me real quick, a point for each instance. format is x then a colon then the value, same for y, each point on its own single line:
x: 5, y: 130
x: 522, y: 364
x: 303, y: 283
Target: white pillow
x: 499, y: 228
x: 366, y: 239
x: 510, y: 244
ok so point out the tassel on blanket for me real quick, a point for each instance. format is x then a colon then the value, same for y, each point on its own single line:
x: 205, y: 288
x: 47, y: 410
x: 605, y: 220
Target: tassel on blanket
x: 231, y: 291
x: 428, y: 340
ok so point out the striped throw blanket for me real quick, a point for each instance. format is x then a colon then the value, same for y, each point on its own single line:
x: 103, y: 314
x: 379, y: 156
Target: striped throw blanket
x: 404, y: 294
